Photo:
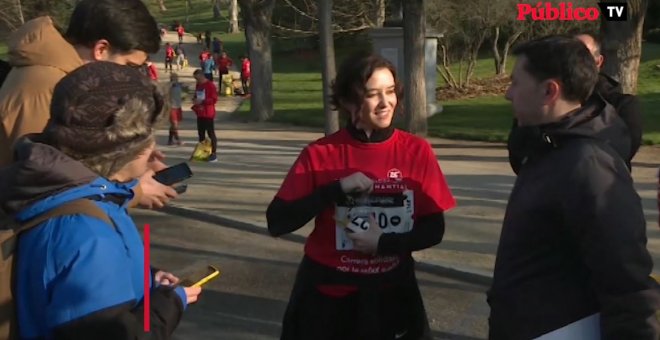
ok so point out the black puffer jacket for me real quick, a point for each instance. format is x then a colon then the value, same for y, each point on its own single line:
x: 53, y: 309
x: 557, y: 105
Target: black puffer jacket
x: 573, y: 242
x: 626, y: 106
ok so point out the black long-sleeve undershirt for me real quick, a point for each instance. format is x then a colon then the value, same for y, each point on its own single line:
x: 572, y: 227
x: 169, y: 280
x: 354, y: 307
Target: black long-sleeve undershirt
x: 123, y: 322
x: 284, y: 217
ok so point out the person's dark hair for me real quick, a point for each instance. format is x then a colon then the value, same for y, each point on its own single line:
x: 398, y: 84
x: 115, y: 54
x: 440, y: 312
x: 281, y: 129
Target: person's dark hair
x: 563, y: 58
x: 198, y: 72
x: 126, y: 24
x: 595, y: 36
x: 348, y: 88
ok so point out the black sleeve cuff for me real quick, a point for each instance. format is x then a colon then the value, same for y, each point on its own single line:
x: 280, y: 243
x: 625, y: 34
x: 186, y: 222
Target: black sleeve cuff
x: 427, y: 232
x: 331, y: 192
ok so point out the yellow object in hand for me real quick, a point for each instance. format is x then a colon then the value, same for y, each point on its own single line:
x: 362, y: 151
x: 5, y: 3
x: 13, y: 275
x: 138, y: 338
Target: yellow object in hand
x: 208, y: 278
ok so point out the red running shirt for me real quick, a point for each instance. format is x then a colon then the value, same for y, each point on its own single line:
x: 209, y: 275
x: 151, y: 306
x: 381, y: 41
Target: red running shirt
x: 403, y: 157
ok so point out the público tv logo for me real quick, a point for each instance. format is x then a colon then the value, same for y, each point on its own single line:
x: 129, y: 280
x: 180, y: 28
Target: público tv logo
x: 547, y: 11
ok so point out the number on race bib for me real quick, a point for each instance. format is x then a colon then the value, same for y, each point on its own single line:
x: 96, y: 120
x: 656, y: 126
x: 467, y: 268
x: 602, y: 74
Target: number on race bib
x: 360, y: 223
x: 393, y: 214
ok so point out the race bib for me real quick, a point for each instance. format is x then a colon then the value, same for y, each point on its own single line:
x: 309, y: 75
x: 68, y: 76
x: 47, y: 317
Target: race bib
x: 392, y: 209
x: 201, y: 95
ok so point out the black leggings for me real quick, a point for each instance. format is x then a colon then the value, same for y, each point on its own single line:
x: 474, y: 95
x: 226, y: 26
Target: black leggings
x: 204, y: 126
x: 168, y: 63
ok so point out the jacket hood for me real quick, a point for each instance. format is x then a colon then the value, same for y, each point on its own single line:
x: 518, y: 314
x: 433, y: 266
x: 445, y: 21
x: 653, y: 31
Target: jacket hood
x: 43, y: 178
x: 37, y: 42
x: 596, y: 119
x: 607, y: 85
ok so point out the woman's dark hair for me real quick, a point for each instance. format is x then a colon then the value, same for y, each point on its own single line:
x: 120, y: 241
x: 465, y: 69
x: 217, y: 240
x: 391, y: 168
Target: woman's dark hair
x: 348, y: 88
x: 126, y: 24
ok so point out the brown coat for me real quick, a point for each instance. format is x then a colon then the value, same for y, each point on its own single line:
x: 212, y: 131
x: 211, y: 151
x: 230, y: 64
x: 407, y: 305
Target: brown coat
x: 40, y: 58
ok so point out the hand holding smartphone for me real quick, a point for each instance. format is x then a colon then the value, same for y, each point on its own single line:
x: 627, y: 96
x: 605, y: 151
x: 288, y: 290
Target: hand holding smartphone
x: 212, y: 274
x: 200, y: 278
x: 174, y: 174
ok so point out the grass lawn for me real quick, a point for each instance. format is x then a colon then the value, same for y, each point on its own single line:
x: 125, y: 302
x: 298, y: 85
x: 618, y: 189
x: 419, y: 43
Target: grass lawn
x: 298, y: 96
x: 297, y: 90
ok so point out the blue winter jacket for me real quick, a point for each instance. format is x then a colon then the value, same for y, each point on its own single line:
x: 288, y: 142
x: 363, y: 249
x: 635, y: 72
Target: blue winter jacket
x: 70, y: 267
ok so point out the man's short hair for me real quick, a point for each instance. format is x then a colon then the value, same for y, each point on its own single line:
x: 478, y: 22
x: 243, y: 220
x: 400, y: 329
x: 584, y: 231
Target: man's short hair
x: 595, y: 37
x: 197, y: 72
x: 563, y: 58
x: 126, y: 24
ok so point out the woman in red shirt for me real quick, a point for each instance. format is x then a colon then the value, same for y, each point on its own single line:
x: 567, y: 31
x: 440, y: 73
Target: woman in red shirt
x: 377, y: 194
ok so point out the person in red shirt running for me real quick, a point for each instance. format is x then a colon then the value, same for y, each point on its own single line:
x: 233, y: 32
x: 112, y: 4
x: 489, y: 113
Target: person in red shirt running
x: 377, y: 194
x: 180, y: 31
x: 205, y: 54
x: 169, y: 56
x: 204, y: 101
x: 246, y: 75
x: 223, y: 63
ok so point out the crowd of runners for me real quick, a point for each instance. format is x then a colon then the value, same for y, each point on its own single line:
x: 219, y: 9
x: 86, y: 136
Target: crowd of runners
x: 77, y: 150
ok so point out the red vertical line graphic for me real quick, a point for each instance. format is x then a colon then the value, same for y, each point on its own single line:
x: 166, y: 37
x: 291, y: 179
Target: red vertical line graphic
x: 147, y: 278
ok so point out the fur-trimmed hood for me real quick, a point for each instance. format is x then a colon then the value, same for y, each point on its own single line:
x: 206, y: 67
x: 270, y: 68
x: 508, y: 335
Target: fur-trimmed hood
x: 105, y: 115
x: 38, y: 172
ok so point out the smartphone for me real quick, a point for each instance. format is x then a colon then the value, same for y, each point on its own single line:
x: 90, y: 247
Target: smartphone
x: 174, y: 174
x: 212, y: 273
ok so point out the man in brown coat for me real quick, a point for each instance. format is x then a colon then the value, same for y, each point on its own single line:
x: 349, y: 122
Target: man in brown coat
x: 120, y: 31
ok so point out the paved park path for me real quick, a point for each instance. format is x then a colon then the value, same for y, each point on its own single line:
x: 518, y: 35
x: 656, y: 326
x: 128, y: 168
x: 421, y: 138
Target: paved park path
x: 254, y: 158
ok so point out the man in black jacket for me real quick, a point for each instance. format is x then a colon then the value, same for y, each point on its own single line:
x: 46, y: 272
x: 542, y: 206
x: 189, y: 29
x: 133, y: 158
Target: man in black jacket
x: 626, y: 106
x: 573, y: 245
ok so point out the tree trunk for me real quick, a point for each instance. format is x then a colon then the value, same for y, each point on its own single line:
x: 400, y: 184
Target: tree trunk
x: 496, y: 52
x: 19, y: 9
x: 500, y: 58
x: 328, y: 57
x: 473, y: 55
x: 622, y: 45
x: 188, y: 8
x: 444, y: 69
x: 507, y: 46
x: 257, y: 17
x: 216, y: 9
x: 380, y: 13
x: 233, y: 17
x: 414, y: 34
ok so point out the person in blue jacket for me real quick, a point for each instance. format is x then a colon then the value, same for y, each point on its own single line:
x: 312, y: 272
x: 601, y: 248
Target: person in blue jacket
x: 76, y: 276
x: 209, y: 67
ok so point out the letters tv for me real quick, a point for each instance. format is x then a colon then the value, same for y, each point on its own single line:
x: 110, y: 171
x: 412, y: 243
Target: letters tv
x: 547, y: 11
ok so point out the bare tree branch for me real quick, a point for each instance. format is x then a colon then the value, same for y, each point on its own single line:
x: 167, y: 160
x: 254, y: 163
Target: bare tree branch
x: 299, y: 11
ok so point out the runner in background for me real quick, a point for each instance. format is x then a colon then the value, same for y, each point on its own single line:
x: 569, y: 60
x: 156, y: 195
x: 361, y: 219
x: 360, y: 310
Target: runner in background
x: 377, y: 194
x: 205, y: 54
x: 223, y: 63
x: 176, y: 113
x: 246, y: 74
x: 209, y: 67
x: 206, y: 96
x: 180, y: 31
x: 217, y: 45
x: 169, y: 56
x: 180, y: 57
